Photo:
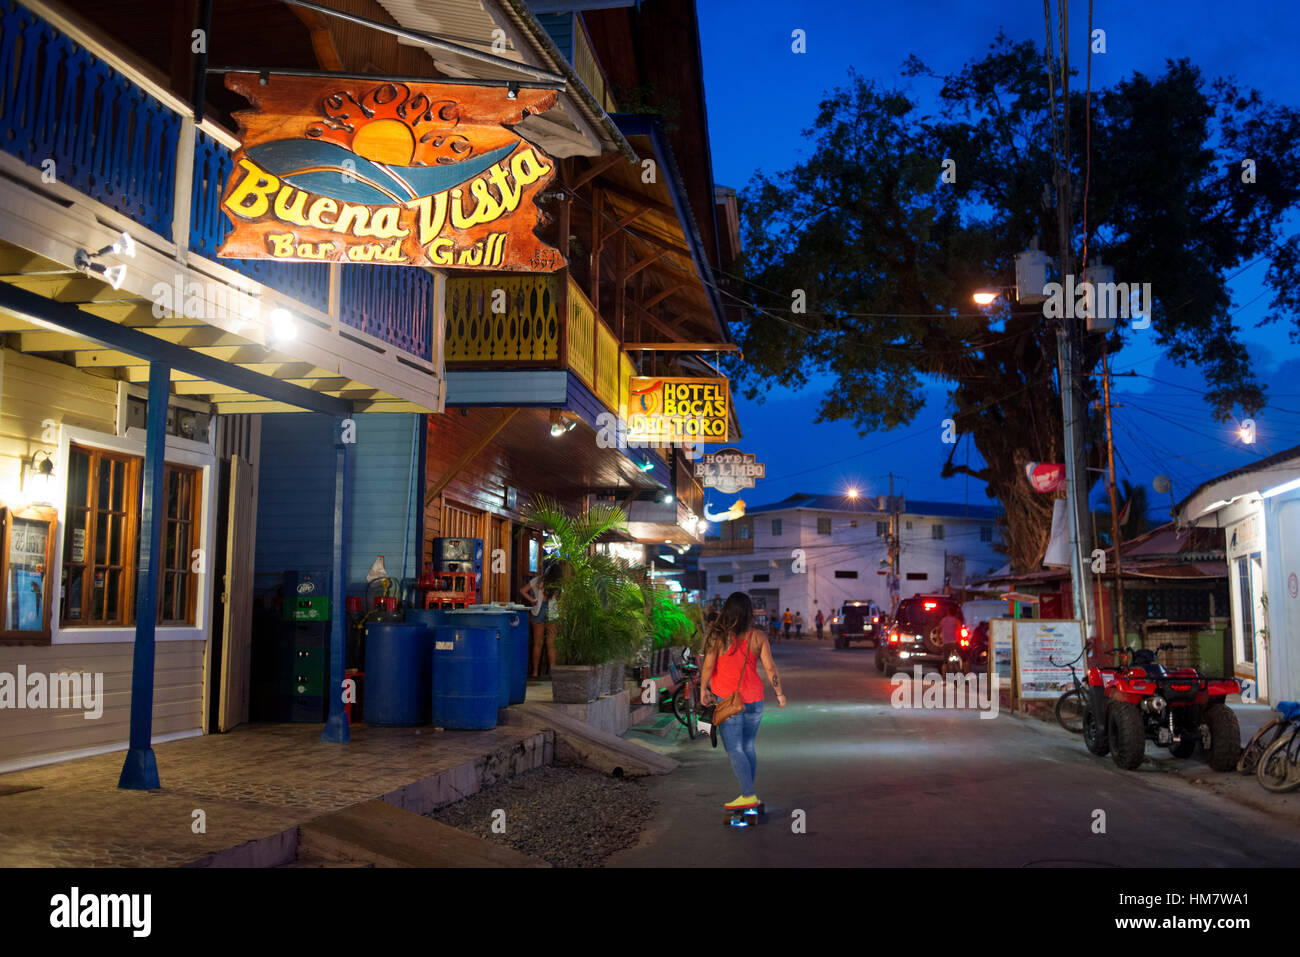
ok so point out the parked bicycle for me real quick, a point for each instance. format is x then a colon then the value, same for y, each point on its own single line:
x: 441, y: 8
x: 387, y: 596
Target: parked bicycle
x: 1273, y: 754
x: 1069, y: 706
x: 686, y: 691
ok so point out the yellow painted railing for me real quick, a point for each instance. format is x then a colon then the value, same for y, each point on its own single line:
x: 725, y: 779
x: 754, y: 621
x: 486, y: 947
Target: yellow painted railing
x: 520, y: 320
x: 505, y: 319
x: 607, y: 355
x: 581, y: 336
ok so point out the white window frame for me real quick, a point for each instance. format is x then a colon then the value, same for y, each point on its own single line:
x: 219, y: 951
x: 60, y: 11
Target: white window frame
x: 178, y: 452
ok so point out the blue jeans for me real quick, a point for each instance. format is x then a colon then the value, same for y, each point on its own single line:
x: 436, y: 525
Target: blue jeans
x: 738, y: 733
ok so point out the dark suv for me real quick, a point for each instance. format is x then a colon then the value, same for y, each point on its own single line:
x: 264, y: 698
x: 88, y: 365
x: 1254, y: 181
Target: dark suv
x: 857, y: 621
x: 915, y: 635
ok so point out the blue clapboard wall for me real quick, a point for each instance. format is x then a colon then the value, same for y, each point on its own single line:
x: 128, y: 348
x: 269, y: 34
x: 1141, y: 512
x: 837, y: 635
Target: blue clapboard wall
x: 295, y: 512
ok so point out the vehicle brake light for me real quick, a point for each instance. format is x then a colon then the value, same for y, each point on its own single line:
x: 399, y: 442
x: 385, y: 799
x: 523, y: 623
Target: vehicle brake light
x: 875, y: 618
x: 930, y: 605
x: 893, y: 637
x: 964, y: 632
x: 1181, y: 687
x: 965, y: 642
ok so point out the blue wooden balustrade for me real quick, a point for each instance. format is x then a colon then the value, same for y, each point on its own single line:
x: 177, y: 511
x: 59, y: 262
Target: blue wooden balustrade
x: 114, y: 141
x: 105, y: 135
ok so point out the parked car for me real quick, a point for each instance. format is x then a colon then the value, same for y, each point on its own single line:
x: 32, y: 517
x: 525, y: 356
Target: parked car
x: 915, y: 635
x: 857, y: 621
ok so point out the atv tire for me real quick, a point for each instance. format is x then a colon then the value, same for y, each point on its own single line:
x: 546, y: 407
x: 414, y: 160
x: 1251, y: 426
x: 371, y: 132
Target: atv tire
x: 1225, y: 737
x: 1094, y: 737
x: 1128, y: 741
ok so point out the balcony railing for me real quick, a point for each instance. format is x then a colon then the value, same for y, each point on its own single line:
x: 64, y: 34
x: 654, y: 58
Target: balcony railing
x: 104, y: 135
x: 115, y: 136
x: 532, y: 321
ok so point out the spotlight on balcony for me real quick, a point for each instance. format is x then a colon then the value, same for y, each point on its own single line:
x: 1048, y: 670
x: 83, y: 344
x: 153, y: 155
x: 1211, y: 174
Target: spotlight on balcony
x: 88, y: 262
x: 283, y: 327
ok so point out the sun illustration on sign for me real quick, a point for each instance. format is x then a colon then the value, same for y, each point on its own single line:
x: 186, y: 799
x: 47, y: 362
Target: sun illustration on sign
x: 387, y: 172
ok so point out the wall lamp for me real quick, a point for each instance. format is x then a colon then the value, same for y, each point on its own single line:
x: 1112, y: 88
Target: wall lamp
x: 85, y: 261
x: 561, y: 424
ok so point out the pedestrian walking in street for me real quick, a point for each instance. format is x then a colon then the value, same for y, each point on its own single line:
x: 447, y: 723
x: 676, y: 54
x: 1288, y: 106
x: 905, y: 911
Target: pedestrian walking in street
x: 788, y: 620
x: 798, y: 624
x: 820, y: 621
x: 732, y: 650
x: 542, y: 592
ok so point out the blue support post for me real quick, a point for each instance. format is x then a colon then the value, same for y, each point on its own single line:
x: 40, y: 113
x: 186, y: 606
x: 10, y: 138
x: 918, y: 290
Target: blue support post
x: 336, y: 724
x: 140, y: 771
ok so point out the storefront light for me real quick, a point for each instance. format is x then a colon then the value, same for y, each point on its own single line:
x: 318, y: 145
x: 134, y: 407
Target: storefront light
x: 38, y: 480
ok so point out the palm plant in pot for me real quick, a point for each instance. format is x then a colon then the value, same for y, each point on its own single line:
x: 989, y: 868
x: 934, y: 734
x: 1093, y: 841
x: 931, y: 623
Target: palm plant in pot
x: 599, y: 601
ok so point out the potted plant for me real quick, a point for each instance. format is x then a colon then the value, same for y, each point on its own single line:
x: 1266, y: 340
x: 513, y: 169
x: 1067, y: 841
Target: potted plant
x: 599, y: 601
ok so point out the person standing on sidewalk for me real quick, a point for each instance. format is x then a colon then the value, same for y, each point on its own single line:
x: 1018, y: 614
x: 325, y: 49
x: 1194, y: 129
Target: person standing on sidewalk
x: 544, y: 617
x: 820, y: 621
x: 732, y: 650
x: 788, y: 620
x: 798, y: 624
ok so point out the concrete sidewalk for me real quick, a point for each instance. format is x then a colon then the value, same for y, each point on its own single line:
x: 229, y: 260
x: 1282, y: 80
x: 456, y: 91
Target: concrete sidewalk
x: 254, y: 786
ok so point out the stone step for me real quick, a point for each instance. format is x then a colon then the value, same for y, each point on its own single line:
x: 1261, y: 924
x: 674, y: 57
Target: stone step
x: 377, y: 834
x: 578, y: 743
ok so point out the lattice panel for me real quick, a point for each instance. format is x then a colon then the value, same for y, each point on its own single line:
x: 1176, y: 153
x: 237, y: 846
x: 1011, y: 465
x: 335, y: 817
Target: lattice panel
x: 527, y: 330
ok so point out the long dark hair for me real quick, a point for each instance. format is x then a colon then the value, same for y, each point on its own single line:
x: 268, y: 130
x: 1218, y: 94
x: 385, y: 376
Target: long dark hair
x: 735, y: 619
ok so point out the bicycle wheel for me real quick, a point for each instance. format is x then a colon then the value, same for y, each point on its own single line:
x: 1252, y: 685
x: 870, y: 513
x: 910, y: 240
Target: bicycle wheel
x: 684, y: 708
x: 1258, y: 744
x: 1069, y: 711
x: 1279, y: 767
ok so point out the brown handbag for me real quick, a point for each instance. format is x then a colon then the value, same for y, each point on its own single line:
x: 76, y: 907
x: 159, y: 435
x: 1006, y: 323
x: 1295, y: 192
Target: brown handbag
x: 732, y: 704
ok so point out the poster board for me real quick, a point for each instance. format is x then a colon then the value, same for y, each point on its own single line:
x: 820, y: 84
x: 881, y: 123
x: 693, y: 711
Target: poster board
x: 1036, y: 641
x: 1002, y: 652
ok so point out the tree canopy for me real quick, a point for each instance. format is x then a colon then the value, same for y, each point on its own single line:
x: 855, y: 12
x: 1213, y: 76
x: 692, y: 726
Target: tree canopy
x: 887, y: 250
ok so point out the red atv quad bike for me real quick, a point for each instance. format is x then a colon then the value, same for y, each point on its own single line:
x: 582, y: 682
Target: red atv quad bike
x: 1175, y: 708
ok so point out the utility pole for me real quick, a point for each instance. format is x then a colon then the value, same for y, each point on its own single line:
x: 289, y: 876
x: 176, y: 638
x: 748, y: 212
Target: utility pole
x: 895, y: 550
x: 1122, y: 637
x: 1070, y: 374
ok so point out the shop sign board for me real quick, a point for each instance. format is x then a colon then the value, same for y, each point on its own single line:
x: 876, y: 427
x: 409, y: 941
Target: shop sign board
x: 673, y: 410
x: 376, y: 171
x: 1038, y: 641
x: 729, y: 470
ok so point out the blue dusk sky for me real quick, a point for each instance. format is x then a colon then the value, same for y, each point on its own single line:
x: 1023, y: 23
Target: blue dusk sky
x: 761, y: 96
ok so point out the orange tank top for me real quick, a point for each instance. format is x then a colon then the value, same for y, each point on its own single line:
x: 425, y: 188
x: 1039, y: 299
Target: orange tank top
x: 737, y: 663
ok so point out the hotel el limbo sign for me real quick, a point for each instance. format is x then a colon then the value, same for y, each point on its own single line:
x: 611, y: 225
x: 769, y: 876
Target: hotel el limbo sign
x: 667, y: 411
x: 729, y: 470
x: 350, y: 170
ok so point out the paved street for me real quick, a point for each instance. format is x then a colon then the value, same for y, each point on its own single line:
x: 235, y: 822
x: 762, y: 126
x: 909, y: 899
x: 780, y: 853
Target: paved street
x: 886, y: 787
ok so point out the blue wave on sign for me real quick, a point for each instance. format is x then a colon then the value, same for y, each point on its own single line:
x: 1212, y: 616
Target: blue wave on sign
x: 328, y: 169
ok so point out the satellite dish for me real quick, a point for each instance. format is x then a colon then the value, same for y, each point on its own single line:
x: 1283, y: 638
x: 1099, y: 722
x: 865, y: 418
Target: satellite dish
x: 1161, y: 484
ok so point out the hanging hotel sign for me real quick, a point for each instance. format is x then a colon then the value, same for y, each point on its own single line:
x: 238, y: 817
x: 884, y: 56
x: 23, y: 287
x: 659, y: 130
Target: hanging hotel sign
x: 415, y: 174
x: 667, y: 411
x: 729, y: 470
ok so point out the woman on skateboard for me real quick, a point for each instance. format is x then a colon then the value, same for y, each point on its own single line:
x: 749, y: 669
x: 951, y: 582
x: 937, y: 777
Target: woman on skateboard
x: 732, y: 651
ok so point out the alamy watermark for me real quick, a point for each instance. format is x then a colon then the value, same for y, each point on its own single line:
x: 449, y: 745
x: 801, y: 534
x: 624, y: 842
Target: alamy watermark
x: 60, y: 689
x: 954, y: 691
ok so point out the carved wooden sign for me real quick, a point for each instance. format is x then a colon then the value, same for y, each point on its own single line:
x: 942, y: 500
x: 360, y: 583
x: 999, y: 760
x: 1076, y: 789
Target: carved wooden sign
x: 383, y: 172
x: 674, y: 410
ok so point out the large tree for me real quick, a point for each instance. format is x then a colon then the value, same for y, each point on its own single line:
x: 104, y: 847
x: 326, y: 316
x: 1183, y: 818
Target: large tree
x: 887, y: 253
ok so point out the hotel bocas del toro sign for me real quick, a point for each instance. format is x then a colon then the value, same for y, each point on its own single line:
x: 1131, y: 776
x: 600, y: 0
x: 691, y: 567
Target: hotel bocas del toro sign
x: 669, y: 411
x: 385, y: 172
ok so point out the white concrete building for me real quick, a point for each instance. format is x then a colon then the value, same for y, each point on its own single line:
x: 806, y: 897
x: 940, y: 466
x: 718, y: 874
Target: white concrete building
x: 811, y: 552
x: 1259, y: 509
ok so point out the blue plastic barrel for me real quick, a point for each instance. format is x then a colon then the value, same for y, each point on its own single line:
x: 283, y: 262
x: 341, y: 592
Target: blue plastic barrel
x: 398, y: 658
x: 519, y: 653
x: 465, y: 677
x: 501, y: 620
